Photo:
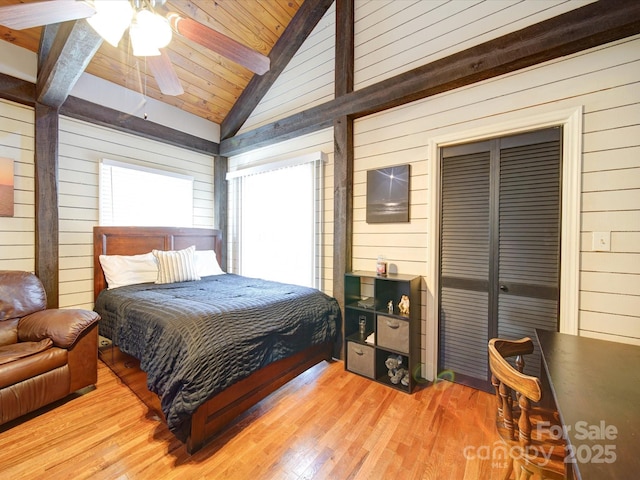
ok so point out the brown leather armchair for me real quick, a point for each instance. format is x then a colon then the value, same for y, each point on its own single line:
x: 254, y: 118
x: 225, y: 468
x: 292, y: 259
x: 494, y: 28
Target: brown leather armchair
x: 45, y: 354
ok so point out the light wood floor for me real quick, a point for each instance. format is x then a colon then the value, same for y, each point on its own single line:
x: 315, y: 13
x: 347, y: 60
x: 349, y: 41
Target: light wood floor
x: 325, y: 424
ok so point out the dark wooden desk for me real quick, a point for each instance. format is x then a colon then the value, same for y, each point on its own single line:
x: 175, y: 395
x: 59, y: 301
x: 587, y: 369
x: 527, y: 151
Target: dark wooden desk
x: 596, y: 387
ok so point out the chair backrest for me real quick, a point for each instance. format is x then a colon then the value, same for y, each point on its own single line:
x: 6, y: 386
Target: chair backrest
x: 21, y: 293
x: 507, y: 381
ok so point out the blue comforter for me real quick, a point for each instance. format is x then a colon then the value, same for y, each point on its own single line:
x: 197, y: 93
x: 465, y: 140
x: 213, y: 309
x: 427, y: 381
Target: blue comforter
x: 194, y: 339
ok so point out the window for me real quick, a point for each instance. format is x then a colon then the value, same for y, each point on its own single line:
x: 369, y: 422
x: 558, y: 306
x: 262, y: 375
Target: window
x: 279, y: 220
x: 131, y: 195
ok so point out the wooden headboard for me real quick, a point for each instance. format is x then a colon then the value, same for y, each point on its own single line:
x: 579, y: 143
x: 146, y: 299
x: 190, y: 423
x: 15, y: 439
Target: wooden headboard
x: 138, y: 240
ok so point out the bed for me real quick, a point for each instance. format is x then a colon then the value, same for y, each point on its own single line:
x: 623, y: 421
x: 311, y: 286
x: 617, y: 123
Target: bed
x: 208, y: 349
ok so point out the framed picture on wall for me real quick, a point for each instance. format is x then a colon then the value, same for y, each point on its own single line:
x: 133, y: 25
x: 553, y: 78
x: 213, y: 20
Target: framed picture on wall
x: 388, y: 195
x: 6, y: 187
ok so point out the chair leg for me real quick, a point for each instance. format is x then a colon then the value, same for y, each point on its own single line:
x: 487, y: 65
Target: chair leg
x: 507, y: 474
x: 522, y: 473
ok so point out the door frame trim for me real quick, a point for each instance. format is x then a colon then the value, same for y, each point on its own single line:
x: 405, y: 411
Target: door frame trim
x: 571, y: 121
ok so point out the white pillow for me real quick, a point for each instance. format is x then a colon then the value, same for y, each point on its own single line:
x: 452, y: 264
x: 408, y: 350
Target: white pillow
x: 121, y: 270
x: 176, y: 265
x: 207, y: 263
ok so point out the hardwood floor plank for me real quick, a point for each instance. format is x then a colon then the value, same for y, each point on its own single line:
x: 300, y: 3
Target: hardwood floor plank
x: 325, y: 424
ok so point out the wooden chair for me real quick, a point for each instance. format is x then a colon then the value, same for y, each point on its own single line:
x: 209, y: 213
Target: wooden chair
x: 532, y: 434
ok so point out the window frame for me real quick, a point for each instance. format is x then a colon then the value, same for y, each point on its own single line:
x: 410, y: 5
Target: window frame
x: 106, y: 216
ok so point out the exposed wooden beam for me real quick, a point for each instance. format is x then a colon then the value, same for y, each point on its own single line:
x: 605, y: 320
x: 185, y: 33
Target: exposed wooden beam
x: 46, y: 200
x: 17, y: 90
x: 586, y: 27
x: 343, y: 154
x: 344, y: 47
x: 47, y: 37
x: 301, y: 25
x: 71, y: 50
x: 23, y: 92
x: 220, y: 204
x: 90, y: 112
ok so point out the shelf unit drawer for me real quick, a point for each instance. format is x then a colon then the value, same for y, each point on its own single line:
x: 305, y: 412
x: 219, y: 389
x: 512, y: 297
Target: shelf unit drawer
x: 361, y: 359
x: 393, y: 333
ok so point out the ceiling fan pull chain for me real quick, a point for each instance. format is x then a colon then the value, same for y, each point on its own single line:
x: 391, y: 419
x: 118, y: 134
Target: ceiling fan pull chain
x: 145, y: 87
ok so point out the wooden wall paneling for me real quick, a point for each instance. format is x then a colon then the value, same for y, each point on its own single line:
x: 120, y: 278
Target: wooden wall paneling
x: 46, y: 199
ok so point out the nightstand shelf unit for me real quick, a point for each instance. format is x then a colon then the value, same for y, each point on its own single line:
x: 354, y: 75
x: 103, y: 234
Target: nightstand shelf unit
x: 388, y: 336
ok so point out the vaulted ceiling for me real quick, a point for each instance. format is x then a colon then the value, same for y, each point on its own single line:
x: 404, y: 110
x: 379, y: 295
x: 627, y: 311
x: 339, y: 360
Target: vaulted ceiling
x: 212, y: 83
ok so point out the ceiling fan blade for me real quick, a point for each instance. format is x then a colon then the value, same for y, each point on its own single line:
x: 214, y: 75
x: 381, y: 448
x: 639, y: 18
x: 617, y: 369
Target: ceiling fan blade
x: 164, y: 74
x: 36, y: 14
x: 219, y: 43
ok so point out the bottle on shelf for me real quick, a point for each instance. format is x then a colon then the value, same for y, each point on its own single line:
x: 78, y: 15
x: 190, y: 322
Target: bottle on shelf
x: 381, y: 266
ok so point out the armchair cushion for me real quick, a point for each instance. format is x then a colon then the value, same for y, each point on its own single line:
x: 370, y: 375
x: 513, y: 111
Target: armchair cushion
x: 21, y: 293
x: 63, y: 326
x: 10, y: 353
x: 8, y: 331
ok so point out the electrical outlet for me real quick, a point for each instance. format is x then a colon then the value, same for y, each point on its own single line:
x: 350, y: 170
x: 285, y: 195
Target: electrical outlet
x: 601, y: 241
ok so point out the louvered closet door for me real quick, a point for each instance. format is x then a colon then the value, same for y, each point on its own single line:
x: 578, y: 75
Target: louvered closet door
x: 465, y: 260
x: 529, y: 237
x: 499, y: 244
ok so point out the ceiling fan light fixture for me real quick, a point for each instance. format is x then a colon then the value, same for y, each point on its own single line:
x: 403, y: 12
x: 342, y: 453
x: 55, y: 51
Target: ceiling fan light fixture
x: 111, y: 19
x: 149, y: 33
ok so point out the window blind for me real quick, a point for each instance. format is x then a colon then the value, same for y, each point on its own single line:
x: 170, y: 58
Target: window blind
x: 132, y: 195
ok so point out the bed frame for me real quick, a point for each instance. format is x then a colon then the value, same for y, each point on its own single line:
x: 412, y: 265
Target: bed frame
x: 220, y: 410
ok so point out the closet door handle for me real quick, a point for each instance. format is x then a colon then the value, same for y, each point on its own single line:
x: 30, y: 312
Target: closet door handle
x: 503, y: 288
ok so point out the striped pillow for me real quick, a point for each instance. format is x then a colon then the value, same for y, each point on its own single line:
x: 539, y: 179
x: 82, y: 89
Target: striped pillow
x: 176, y: 265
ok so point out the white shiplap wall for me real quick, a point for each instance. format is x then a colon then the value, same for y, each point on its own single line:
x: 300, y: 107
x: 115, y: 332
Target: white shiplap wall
x: 395, y: 36
x: 82, y: 146
x: 307, y: 81
x: 605, y: 83
x: 17, y: 243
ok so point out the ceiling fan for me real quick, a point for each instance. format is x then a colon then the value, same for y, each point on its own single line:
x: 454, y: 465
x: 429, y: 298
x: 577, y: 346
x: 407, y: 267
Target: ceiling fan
x: 150, y: 30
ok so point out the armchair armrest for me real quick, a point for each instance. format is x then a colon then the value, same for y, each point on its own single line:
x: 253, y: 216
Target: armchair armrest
x: 63, y: 326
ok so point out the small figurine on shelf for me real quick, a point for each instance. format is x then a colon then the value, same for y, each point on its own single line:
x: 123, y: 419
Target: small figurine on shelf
x: 403, y: 305
x: 362, y: 326
x: 390, y: 306
x: 381, y: 267
x: 396, y: 371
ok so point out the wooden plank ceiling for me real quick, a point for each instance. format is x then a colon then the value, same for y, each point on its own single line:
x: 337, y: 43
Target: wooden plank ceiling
x: 212, y: 83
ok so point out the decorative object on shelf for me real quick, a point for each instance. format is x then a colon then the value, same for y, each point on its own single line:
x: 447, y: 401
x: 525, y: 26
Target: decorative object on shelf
x: 403, y: 305
x: 390, y: 306
x: 362, y: 324
x: 388, y: 195
x: 366, y: 302
x: 393, y: 362
x: 381, y: 266
x: 396, y: 372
